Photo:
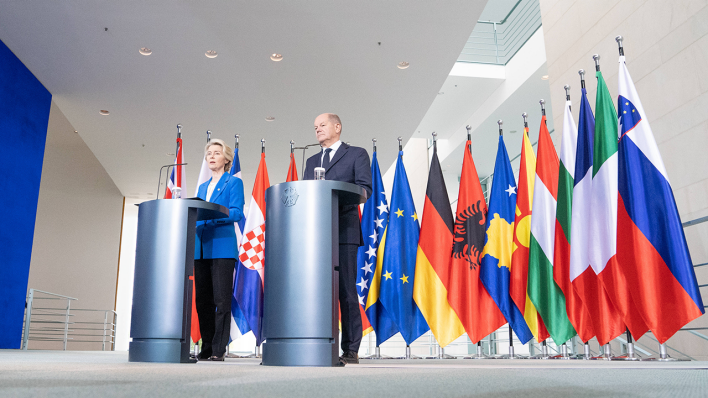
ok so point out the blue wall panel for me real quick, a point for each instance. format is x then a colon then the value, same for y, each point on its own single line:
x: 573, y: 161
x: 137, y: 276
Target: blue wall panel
x: 24, y: 115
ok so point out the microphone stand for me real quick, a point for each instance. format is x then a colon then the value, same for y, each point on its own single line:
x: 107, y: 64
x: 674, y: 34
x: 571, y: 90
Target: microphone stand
x: 304, y: 148
x: 159, y: 178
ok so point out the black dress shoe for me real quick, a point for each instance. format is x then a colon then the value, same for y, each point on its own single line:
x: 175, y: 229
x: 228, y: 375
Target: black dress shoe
x: 204, y: 356
x: 215, y: 358
x: 349, y: 357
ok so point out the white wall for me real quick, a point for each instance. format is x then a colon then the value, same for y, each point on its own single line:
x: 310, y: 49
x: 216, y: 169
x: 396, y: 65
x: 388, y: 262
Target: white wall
x: 76, y: 237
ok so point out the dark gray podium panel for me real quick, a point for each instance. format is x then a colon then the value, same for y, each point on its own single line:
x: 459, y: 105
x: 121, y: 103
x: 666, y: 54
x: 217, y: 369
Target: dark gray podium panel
x: 300, y: 323
x: 164, y: 261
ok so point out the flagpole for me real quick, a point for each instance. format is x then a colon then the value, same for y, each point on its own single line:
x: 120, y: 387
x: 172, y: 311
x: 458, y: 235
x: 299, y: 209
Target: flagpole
x: 208, y: 136
x: 236, y: 143
x: 544, y: 345
x: 292, y: 147
x: 262, y: 145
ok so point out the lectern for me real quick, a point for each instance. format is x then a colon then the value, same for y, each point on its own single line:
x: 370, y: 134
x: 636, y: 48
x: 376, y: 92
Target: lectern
x: 300, y: 321
x: 162, y: 293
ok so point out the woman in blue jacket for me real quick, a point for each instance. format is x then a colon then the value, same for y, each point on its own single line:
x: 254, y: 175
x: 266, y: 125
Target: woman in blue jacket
x: 216, y: 252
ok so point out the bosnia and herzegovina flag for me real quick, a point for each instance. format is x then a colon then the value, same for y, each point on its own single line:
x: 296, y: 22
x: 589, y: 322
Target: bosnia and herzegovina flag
x: 652, y: 253
x: 399, y: 256
x: 239, y: 323
x: 496, y: 257
x: 542, y: 289
x: 432, y: 262
x: 577, y: 313
x: 466, y: 293
x: 607, y: 322
x: 519, y: 271
x: 603, y: 223
x: 374, y: 220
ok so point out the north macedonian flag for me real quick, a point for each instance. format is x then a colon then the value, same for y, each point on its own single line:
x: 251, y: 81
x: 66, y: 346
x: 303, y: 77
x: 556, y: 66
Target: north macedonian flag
x: 518, y: 284
x: 431, y: 269
x: 466, y: 294
x: 498, y: 247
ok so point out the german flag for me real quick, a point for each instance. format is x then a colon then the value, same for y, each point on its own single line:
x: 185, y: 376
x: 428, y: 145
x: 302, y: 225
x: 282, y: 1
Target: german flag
x: 433, y: 259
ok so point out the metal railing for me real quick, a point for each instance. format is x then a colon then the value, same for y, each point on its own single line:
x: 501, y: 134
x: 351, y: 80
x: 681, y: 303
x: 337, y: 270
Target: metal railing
x: 50, y: 318
x: 496, y: 42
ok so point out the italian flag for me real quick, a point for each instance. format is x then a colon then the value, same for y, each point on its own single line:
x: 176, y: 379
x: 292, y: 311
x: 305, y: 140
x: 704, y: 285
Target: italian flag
x: 577, y: 313
x: 542, y: 289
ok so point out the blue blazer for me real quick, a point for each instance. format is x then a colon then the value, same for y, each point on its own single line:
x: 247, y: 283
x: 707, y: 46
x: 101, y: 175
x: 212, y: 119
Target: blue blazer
x: 217, y: 238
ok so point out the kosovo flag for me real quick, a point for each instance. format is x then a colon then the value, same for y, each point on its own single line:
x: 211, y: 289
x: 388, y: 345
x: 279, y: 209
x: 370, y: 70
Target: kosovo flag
x: 399, y: 255
x: 374, y: 220
x: 499, y: 243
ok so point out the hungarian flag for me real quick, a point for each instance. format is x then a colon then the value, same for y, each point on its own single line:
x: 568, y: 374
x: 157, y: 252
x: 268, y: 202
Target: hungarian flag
x: 466, y: 294
x: 249, y: 276
x: 178, y: 177
x: 432, y: 276
x: 607, y: 321
x: 498, y: 246
x: 542, y: 289
x: 374, y: 220
x: 603, y: 224
x: 518, y: 283
x: 577, y: 313
x: 652, y: 254
x: 399, y: 256
x: 292, y: 169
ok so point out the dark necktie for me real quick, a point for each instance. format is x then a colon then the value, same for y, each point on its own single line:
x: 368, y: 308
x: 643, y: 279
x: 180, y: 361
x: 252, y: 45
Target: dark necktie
x: 325, y: 161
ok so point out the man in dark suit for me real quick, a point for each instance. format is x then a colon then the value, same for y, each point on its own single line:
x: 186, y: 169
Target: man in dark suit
x: 349, y: 164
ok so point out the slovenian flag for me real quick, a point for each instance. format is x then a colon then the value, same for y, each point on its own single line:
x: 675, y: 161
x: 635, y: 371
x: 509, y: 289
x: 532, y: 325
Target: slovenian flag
x: 652, y: 253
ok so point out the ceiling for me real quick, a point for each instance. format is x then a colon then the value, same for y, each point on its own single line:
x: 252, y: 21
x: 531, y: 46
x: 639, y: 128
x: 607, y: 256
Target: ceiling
x: 338, y: 56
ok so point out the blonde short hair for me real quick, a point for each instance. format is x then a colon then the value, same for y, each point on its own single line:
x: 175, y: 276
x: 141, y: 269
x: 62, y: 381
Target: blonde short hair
x: 228, y: 152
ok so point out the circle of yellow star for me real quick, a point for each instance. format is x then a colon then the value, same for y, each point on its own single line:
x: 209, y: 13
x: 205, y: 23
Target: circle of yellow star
x: 387, y: 275
x: 404, y: 279
x: 399, y: 213
x: 415, y: 216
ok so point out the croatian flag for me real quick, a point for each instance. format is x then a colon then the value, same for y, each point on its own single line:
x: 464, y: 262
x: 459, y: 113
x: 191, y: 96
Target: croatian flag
x: 652, y: 253
x: 239, y: 323
x: 248, y: 287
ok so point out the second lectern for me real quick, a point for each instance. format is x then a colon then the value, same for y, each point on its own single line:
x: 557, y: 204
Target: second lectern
x: 300, y: 322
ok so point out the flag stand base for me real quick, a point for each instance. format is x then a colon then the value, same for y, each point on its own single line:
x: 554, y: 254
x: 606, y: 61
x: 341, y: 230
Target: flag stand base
x: 511, y: 355
x: 564, y: 354
x: 544, y: 352
x: 256, y: 354
x: 442, y: 355
x: 479, y: 354
x: 664, y: 356
x: 377, y: 355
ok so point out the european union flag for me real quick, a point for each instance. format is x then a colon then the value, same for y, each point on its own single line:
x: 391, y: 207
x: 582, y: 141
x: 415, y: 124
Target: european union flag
x: 374, y: 220
x: 499, y: 243
x: 399, y: 255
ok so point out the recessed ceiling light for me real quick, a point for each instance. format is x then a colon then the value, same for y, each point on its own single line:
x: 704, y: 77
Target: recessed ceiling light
x: 104, y: 112
x: 512, y: 131
x: 270, y: 119
x: 544, y: 77
x: 145, y: 51
x: 76, y: 131
x: 211, y: 54
x: 276, y: 57
x: 403, y: 65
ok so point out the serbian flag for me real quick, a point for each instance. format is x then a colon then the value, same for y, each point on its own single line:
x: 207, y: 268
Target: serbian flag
x: 239, y: 323
x: 432, y: 276
x: 542, y: 289
x: 603, y: 223
x: 249, y: 270
x: 652, y: 255
x: 607, y: 321
x: 577, y: 313
x: 498, y: 247
x: 519, y: 272
x: 178, y: 177
x: 292, y: 170
x: 466, y: 294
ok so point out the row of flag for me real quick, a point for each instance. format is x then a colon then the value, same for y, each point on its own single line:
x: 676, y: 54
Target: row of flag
x: 588, y: 243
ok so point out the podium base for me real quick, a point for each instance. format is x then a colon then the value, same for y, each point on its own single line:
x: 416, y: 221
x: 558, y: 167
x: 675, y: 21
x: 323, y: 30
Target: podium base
x: 300, y: 352
x: 159, y: 350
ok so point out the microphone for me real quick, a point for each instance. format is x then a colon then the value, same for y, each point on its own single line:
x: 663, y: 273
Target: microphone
x: 159, y: 178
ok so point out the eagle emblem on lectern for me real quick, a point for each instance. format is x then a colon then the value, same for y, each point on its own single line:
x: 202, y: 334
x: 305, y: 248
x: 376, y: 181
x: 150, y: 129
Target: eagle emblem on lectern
x: 289, y: 197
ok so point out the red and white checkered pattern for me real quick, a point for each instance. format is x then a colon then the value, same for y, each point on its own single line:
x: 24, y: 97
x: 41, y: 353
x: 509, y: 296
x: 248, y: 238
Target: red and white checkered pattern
x: 252, y: 251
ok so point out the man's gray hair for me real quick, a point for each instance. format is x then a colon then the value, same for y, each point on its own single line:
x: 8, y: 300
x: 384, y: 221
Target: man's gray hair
x: 334, y: 118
